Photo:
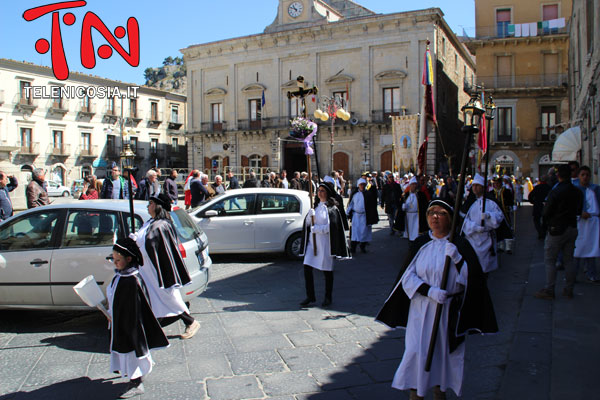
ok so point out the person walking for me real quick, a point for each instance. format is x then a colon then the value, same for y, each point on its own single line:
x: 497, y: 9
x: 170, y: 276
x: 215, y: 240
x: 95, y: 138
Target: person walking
x: 8, y: 183
x: 35, y: 192
x: 170, y: 187
x: 412, y: 304
x: 148, y: 187
x: 295, y: 182
x: 537, y: 197
x: 115, y: 187
x: 134, y: 330
x: 218, y: 185
x: 163, y: 269
x: 587, y: 245
x: 562, y: 208
x: 330, y: 239
x: 251, y: 182
x: 233, y: 181
x: 197, y: 190
x: 187, y: 194
x: 285, y: 184
x: 362, y: 210
x: 390, y: 198
x: 411, y: 218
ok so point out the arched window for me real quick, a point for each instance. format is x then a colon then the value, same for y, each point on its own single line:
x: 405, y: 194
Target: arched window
x: 217, y: 163
x: 255, y: 161
x: 58, y: 175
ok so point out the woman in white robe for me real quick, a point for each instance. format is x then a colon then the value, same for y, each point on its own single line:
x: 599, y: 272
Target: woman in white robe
x: 414, y: 300
x: 587, y: 245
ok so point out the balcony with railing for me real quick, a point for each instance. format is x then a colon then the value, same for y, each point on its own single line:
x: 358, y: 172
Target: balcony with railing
x: 6, y: 146
x: 58, y: 107
x: 59, y: 150
x: 524, y: 81
x: 110, y: 113
x: 178, y: 153
x: 87, y: 110
x: 29, y: 149
x: 213, y: 126
x: 175, y: 122
x: 548, y: 134
x: 113, y: 152
x: 503, y: 30
x: 383, y: 116
x: 25, y: 104
x: 157, y: 153
x: 154, y: 119
x: 140, y: 152
x: 88, y: 151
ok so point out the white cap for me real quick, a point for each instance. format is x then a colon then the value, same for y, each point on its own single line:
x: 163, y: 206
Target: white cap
x: 478, y: 180
x: 412, y: 180
x: 362, y: 180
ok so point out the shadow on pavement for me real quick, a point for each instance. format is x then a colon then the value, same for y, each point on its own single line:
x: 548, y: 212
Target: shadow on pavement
x: 80, y: 388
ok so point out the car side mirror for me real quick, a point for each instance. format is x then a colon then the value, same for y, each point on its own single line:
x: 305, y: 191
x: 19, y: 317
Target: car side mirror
x: 210, y: 214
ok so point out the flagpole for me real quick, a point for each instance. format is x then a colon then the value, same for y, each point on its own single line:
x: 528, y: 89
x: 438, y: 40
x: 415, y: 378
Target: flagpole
x: 490, y: 107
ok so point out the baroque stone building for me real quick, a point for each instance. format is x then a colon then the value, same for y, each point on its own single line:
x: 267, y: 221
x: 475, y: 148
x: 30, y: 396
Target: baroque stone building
x: 522, y: 59
x: 373, y: 61
x: 584, y: 77
x: 73, y: 136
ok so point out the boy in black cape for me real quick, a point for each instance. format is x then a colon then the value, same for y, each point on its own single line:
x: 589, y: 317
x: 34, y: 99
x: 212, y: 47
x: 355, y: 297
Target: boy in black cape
x: 134, y: 329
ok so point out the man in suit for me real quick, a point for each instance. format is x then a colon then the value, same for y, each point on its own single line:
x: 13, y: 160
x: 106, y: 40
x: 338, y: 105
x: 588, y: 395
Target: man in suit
x: 198, y: 191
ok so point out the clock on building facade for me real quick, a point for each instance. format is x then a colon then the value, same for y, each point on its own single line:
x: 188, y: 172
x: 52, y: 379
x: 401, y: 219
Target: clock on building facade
x: 295, y: 9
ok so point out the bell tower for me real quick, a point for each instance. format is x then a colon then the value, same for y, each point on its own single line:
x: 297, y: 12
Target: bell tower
x: 292, y: 14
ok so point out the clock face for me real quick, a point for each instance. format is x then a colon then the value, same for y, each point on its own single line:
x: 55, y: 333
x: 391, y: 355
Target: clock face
x: 295, y: 9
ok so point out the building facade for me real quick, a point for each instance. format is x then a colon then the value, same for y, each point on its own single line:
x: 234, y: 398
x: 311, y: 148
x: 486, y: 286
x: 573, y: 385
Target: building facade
x: 71, y: 134
x: 372, y: 61
x: 584, y: 78
x: 522, y: 60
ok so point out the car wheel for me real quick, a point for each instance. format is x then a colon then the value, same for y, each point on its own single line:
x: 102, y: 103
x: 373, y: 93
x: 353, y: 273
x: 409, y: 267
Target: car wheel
x: 65, y: 194
x: 293, y: 246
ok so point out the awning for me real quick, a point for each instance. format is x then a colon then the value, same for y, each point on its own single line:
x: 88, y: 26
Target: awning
x: 567, y: 145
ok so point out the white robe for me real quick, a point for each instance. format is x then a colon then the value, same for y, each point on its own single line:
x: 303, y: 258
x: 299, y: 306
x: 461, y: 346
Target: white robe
x: 361, y: 232
x: 323, y: 260
x: 587, y: 244
x: 411, y: 207
x: 482, y: 242
x: 446, y: 369
x: 128, y: 364
x: 165, y: 302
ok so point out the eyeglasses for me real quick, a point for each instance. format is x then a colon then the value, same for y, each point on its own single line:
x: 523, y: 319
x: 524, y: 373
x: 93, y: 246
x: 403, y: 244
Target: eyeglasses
x: 438, y: 214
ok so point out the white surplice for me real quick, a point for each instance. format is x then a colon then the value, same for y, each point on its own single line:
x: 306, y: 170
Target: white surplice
x: 482, y: 242
x: 323, y: 260
x: 361, y: 232
x: 587, y: 244
x: 446, y: 368
x: 411, y: 207
x: 165, y: 302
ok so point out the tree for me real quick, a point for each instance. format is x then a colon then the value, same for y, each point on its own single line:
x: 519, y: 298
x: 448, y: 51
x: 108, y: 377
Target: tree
x: 149, y: 75
x: 168, y: 61
x: 178, y: 61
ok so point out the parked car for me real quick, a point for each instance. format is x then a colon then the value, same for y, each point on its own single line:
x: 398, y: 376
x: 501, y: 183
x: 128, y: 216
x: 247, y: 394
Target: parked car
x: 254, y: 220
x: 57, y: 189
x: 45, y: 251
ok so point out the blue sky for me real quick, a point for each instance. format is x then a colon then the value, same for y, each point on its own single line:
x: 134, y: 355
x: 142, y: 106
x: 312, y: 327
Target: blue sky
x: 167, y: 26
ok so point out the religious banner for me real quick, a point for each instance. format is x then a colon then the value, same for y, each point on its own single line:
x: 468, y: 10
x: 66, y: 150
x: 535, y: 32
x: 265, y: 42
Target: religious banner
x: 405, y: 131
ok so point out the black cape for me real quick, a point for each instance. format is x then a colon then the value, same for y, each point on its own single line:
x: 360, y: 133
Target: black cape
x: 134, y: 327
x: 337, y: 234
x: 400, y: 222
x: 471, y: 312
x: 162, y: 247
x: 502, y: 232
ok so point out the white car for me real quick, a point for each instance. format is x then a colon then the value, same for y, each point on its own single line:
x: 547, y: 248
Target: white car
x: 45, y: 251
x: 56, y: 189
x: 254, y: 220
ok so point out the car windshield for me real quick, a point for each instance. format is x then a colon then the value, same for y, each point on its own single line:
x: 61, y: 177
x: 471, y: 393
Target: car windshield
x: 186, y: 228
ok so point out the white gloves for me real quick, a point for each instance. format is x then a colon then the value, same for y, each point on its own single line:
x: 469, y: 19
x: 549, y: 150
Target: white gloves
x: 404, y: 207
x: 133, y: 236
x: 452, y: 252
x: 479, y: 229
x: 311, y: 212
x: 320, y: 229
x: 438, y: 295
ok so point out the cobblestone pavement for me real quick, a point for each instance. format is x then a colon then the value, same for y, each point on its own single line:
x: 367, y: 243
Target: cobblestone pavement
x: 257, y: 343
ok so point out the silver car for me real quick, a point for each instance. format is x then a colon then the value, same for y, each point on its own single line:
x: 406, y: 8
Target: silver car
x: 254, y: 220
x: 45, y: 251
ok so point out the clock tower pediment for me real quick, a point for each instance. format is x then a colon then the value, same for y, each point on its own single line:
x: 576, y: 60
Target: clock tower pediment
x: 294, y: 14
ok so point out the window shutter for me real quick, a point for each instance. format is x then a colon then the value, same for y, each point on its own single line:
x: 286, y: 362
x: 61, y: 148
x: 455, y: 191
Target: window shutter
x: 207, y: 163
x: 226, y: 162
x: 264, y: 162
x: 245, y: 161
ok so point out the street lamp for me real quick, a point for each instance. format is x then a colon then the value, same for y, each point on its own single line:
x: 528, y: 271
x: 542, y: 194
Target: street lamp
x: 333, y: 108
x: 490, y: 113
x: 127, y: 156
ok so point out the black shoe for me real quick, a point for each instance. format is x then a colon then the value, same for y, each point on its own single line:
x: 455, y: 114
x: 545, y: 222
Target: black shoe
x: 307, y: 301
x: 326, y: 302
x: 363, y: 249
x: 135, y: 388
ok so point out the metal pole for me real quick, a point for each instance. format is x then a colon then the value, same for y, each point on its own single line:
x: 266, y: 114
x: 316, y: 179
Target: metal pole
x: 131, y: 212
x: 487, y: 166
x: 332, y: 128
x: 438, y: 311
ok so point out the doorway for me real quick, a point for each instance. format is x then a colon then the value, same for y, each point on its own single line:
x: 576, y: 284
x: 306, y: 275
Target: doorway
x: 294, y: 158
